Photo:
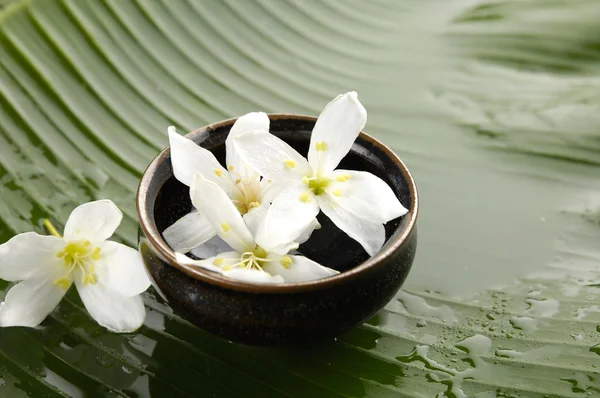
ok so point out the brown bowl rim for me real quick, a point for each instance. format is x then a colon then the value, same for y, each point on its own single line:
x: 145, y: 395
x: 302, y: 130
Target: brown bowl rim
x: 158, y: 243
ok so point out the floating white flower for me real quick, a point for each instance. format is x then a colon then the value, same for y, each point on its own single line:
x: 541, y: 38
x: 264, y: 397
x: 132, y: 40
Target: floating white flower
x: 109, y: 276
x: 247, y: 261
x: 358, y: 202
x: 250, y: 194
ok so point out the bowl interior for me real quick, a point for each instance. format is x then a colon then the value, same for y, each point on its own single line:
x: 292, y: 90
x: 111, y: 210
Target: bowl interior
x: 168, y: 199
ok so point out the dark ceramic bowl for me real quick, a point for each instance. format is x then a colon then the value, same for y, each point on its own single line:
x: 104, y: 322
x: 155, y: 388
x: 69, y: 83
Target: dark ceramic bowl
x: 288, y: 313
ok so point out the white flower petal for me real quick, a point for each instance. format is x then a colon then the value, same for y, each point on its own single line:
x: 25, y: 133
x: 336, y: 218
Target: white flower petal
x: 189, y: 159
x: 226, y: 260
x: 229, y: 259
x: 28, y: 255
x: 301, y: 269
x: 189, y: 232
x: 337, y: 128
x: 370, y: 235
x: 287, y: 218
x: 248, y: 122
x: 271, y: 157
x: 284, y: 248
x: 29, y: 302
x: 252, y: 276
x: 125, y: 270
x: 269, y: 190
x: 110, y: 308
x: 211, y: 201
x: 206, y: 264
x: 304, y: 236
x: 93, y: 221
x: 255, y: 217
x: 366, y: 196
x: 212, y: 247
x: 214, y: 264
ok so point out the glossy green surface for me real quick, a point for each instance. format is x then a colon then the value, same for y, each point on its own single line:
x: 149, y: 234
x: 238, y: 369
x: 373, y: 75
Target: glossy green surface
x: 494, y: 108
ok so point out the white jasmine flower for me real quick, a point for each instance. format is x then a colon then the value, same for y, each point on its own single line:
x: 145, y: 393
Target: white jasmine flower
x: 109, y: 276
x: 359, y: 203
x: 246, y: 260
x: 245, y: 189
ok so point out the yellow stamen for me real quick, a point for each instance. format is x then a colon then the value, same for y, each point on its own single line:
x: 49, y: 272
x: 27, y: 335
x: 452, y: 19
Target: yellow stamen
x: 285, y: 262
x: 253, y: 205
x: 304, y: 197
x: 218, y: 261
x: 63, y: 283
x: 51, y: 228
x: 96, y: 254
x: 230, y: 167
x: 343, y: 177
x: 337, y: 193
x: 290, y: 163
x: 89, y: 279
x: 225, y: 227
x: 305, y: 180
x: 237, y: 181
x: 218, y: 173
x: 320, y: 146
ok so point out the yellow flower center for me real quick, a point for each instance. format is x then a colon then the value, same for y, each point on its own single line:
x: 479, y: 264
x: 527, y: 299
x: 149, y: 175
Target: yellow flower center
x: 250, y: 189
x: 317, y: 184
x: 259, y: 252
x: 78, y: 255
x: 254, y: 259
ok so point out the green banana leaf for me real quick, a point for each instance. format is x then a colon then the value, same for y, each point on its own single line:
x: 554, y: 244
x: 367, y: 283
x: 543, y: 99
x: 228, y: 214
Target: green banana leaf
x: 494, y: 106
